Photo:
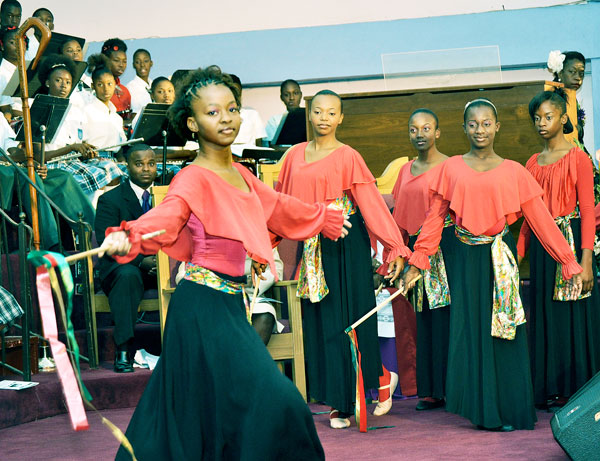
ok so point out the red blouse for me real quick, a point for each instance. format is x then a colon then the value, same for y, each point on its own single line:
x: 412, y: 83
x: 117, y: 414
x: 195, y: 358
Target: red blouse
x: 227, y: 212
x: 411, y: 199
x: 566, y: 182
x: 483, y: 203
x: 325, y: 180
x: 122, y: 98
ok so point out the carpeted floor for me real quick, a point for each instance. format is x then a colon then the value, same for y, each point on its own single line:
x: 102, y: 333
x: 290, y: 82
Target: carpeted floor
x: 432, y: 435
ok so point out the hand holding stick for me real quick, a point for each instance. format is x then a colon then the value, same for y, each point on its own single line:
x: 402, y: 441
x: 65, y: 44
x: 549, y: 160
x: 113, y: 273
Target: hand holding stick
x: 101, y: 250
x: 376, y: 309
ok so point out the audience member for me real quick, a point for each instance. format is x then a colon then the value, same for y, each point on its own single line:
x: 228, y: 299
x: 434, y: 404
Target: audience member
x: 124, y: 284
x: 291, y: 96
x: 139, y: 87
x: 115, y: 50
x: 251, y: 131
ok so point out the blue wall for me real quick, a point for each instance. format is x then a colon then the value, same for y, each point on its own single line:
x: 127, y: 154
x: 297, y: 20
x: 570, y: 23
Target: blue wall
x: 312, y: 53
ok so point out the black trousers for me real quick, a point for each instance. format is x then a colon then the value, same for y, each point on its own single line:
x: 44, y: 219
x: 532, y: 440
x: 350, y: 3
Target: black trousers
x: 125, y: 287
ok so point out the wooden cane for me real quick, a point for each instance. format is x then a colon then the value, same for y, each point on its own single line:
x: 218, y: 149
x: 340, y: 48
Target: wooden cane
x: 22, y: 69
x: 377, y: 308
x: 84, y: 254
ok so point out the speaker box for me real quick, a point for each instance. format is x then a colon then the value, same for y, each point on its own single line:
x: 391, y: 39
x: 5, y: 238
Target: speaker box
x: 576, y: 426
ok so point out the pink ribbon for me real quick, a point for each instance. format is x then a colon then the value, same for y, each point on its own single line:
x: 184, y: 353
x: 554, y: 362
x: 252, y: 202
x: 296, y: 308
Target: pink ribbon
x: 59, y: 352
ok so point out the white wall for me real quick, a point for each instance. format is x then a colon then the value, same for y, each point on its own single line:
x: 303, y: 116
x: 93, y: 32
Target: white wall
x: 99, y: 20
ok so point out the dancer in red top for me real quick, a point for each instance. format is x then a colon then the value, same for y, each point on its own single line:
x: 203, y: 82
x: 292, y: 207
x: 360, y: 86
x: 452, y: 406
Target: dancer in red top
x: 205, y: 399
x: 489, y: 378
x: 432, y: 298
x: 565, y: 349
x: 338, y: 288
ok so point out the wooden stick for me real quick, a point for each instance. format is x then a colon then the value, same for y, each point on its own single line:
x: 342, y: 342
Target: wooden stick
x: 95, y: 251
x: 379, y: 288
x: 377, y: 308
x: 254, y: 296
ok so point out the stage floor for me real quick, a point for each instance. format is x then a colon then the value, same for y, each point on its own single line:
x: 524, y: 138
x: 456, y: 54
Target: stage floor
x: 430, y: 435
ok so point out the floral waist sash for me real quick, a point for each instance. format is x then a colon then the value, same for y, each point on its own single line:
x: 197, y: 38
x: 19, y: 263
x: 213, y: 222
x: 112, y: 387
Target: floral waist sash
x: 561, y: 291
x: 507, y: 308
x: 434, y: 280
x: 311, y: 278
x: 204, y: 276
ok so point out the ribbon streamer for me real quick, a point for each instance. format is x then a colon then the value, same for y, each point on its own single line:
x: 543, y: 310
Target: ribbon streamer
x: 67, y: 365
x: 360, y: 409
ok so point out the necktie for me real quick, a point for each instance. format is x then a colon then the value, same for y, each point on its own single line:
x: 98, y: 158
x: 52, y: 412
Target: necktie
x: 146, y: 201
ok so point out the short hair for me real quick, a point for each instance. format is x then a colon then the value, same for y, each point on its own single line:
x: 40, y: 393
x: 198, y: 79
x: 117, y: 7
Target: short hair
x: 479, y: 102
x: 140, y: 50
x: 98, y: 65
x: 329, y: 93
x: 156, y: 81
x: 112, y: 45
x: 236, y: 79
x: 7, y: 3
x: 179, y: 76
x: 423, y: 110
x: 182, y: 107
x: 53, y: 62
x: 139, y: 146
x: 558, y: 100
x: 289, y: 81
x: 41, y: 10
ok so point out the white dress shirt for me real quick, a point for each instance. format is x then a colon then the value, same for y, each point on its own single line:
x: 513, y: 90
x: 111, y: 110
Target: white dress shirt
x: 140, y: 93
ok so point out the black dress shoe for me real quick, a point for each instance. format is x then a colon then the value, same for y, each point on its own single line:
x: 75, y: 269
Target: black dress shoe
x: 505, y: 428
x: 427, y: 405
x: 123, y: 363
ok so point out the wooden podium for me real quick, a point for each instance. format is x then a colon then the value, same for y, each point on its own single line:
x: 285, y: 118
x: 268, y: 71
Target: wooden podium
x: 376, y: 124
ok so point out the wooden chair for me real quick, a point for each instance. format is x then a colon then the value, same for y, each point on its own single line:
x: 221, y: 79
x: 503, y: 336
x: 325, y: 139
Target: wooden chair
x: 269, y: 172
x: 385, y: 183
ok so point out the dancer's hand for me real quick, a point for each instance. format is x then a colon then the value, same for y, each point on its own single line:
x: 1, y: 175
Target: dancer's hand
x: 409, y: 279
x: 115, y: 243
x: 257, y: 270
x: 345, y: 229
x: 587, y: 276
x: 575, y: 287
x: 395, y: 269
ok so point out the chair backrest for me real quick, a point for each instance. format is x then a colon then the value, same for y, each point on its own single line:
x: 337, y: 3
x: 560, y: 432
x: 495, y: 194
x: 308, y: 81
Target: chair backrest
x: 269, y: 172
x: 385, y: 183
x: 163, y: 265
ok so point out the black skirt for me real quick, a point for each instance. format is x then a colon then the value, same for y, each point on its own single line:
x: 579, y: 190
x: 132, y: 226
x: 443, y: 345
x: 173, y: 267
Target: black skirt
x: 349, y: 276
x: 433, y: 328
x: 216, y: 393
x: 565, y: 335
x: 489, y: 379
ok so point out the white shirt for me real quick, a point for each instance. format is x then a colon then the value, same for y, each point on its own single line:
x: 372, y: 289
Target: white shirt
x: 139, y: 192
x: 7, y: 136
x: 272, y: 125
x: 72, y: 129
x: 103, y: 127
x: 251, y: 128
x: 32, y: 49
x: 7, y: 69
x: 140, y: 93
x: 81, y: 96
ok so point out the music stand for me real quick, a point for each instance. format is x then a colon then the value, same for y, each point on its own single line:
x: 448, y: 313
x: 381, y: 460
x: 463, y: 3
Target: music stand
x: 292, y: 128
x: 154, y: 126
x: 47, y: 116
x: 57, y: 40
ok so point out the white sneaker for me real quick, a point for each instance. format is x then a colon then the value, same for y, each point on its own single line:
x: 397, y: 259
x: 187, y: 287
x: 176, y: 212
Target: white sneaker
x: 338, y: 423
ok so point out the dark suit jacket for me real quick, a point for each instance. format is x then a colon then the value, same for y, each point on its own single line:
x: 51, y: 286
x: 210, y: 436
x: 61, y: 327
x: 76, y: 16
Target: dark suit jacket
x: 116, y: 205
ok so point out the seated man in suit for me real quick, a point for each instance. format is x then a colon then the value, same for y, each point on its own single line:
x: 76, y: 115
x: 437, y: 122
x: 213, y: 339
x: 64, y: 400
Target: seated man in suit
x: 124, y: 284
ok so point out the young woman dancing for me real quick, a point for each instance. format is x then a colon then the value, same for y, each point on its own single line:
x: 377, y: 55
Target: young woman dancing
x: 565, y: 343
x: 206, y: 397
x: 336, y: 279
x: 431, y: 299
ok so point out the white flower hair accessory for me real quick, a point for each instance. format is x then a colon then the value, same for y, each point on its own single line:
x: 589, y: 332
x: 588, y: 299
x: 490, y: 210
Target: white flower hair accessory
x: 555, y: 61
